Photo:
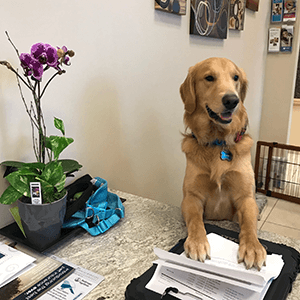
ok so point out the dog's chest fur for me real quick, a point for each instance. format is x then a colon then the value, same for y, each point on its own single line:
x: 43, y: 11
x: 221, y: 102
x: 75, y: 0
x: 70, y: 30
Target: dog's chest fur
x: 210, y: 170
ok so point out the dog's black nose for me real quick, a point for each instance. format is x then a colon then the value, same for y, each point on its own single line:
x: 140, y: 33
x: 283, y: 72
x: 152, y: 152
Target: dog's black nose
x: 230, y: 101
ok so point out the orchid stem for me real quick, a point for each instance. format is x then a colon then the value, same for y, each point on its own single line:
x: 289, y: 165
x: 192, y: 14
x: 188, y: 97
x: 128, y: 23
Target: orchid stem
x: 12, y: 44
x: 57, y: 73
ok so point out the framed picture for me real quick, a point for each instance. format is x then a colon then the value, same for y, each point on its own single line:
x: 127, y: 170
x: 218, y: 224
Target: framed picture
x: 237, y: 14
x: 173, y: 6
x: 252, y: 4
x: 209, y: 18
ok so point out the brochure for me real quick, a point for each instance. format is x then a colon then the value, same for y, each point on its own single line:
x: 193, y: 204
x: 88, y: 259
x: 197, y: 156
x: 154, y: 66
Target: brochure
x: 277, y: 11
x: 12, y: 262
x: 274, y: 40
x: 75, y: 286
x: 289, y: 11
x: 33, y: 275
x: 286, y: 39
x: 35, y: 282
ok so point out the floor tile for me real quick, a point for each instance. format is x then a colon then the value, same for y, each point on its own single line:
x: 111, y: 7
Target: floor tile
x: 281, y: 230
x: 285, y: 213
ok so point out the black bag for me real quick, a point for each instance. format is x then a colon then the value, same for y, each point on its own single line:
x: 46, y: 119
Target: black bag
x: 84, y: 185
x: 278, y: 290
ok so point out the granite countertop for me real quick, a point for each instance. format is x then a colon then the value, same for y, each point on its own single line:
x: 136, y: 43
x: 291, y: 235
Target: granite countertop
x: 125, y: 251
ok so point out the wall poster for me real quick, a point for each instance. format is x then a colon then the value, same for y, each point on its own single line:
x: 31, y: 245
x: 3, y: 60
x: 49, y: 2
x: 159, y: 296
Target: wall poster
x: 209, y: 18
x: 237, y: 14
x: 173, y: 6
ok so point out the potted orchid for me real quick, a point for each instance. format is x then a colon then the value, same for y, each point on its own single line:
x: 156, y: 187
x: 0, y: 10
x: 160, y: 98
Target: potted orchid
x: 48, y: 170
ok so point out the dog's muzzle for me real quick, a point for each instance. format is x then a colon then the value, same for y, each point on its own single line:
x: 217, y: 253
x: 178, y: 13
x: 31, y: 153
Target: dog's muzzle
x: 230, y: 102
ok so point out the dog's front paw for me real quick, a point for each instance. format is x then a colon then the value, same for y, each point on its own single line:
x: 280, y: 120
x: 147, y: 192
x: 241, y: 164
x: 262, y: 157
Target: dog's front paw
x: 252, y: 253
x: 197, y: 248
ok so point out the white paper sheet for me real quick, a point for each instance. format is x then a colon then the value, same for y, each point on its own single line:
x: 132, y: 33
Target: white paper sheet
x: 12, y: 262
x: 215, y: 278
x: 192, y: 286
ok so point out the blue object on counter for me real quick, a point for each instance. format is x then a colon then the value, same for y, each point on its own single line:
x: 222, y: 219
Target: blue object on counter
x: 102, y: 210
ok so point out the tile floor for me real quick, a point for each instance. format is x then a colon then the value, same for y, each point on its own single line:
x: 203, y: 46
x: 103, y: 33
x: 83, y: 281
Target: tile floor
x: 282, y: 217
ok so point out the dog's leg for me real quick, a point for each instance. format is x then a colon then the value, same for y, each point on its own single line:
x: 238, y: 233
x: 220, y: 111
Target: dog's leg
x: 196, y: 245
x: 251, y: 252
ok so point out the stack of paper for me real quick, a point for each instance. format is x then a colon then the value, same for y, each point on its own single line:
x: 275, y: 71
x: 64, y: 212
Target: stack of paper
x: 219, y: 278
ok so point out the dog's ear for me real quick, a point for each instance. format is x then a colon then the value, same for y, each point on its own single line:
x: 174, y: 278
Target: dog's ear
x: 244, y: 85
x: 187, y: 92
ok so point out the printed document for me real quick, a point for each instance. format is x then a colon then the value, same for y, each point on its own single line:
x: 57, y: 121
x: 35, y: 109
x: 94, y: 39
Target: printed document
x: 220, y: 278
x: 12, y: 262
x: 76, y: 286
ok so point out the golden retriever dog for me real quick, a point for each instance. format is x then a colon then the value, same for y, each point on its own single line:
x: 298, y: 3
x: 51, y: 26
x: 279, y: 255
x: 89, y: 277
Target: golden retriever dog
x: 219, y: 178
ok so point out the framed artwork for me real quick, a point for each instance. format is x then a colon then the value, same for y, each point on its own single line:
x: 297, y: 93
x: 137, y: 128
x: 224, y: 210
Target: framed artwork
x: 252, y: 4
x: 237, y: 14
x: 173, y: 6
x: 209, y: 18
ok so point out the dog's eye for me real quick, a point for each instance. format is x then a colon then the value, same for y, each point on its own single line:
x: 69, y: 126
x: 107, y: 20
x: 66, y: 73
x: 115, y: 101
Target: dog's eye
x: 209, y: 78
x: 236, y: 78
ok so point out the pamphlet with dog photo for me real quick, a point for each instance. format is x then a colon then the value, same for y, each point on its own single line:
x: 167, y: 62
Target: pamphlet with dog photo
x: 277, y: 11
x: 286, y: 39
x: 274, y: 40
x: 289, y: 11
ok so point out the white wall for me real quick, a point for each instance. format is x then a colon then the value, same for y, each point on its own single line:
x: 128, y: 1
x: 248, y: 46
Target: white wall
x: 295, y: 124
x: 278, y: 97
x: 120, y: 98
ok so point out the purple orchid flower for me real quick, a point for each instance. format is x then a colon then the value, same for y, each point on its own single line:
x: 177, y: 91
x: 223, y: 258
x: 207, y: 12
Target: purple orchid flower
x: 31, y: 66
x: 63, y: 56
x: 45, y: 54
x: 40, y: 54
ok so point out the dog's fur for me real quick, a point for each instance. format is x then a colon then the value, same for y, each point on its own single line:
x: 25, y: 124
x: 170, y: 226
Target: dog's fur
x: 212, y: 188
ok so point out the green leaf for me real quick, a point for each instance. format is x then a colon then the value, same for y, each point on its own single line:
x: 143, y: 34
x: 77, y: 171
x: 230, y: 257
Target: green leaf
x: 33, y: 166
x: 69, y: 165
x: 59, y: 124
x: 50, y: 169
x: 21, y: 165
x: 46, y: 187
x: 20, y: 180
x: 54, y: 175
x: 57, y: 144
x: 10, y: 195
x: 15, y: 213
x: 15, y: 164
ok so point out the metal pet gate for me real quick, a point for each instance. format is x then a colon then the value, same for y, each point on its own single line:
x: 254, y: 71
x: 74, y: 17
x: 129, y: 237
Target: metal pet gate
x: 277, y: 170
